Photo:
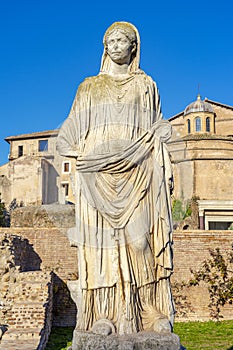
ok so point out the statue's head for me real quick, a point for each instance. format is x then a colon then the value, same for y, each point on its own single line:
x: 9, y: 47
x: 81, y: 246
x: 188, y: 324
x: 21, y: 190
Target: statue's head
x: 128, y: 37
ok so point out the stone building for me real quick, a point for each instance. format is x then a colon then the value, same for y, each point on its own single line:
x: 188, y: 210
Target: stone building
x: 202, y: 154
x: 36, y: 174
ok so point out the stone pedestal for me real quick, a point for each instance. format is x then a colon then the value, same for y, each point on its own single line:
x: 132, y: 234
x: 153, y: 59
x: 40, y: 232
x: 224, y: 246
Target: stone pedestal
x: 139, y: 341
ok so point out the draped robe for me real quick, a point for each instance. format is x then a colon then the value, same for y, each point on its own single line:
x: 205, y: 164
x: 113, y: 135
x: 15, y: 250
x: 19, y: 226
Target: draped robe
x: 123, y: 216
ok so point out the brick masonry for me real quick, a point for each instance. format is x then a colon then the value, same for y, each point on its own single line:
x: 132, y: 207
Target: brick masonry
x: 25, y: 299
x: 45, y: 249
x: 50, y: 251
x: 191, y: 248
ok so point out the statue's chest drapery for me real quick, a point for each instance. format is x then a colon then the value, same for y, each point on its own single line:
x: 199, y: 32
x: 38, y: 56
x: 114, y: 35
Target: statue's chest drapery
x: 106, y: 89
x: 119, y: 111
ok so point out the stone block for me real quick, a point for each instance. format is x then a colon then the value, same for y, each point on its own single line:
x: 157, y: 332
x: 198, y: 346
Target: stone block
x: 53, y: 215
x: 139, y: 341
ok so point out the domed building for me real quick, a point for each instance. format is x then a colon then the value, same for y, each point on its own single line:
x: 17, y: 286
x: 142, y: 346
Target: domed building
x: 199, y: 117
x: 202, y: 155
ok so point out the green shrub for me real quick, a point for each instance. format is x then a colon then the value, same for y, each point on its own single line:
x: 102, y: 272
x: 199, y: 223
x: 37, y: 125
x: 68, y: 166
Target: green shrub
x: 60, y: 338
x: 180, y: 210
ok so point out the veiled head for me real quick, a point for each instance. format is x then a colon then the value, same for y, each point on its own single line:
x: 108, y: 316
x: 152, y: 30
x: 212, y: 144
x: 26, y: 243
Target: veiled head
x: 124, y: 27
x: 131, y: 33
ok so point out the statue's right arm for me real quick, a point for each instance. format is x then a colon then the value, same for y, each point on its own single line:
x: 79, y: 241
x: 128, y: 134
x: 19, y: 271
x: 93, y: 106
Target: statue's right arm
x: 71, y: 133
x: 67, y: 143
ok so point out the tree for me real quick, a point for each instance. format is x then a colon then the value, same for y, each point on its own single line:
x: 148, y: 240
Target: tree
x: 6, y: 214
x: 217, y: 273
x: 3, y: 215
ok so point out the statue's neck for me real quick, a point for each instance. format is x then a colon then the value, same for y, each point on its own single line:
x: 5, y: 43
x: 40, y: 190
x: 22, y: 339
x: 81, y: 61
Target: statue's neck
x: 118, y: 69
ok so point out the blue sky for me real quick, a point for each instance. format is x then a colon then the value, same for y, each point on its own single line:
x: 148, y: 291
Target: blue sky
x: 49, y: 47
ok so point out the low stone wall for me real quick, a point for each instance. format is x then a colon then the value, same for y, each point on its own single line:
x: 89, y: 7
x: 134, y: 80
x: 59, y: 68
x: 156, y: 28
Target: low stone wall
x: 52, y: 215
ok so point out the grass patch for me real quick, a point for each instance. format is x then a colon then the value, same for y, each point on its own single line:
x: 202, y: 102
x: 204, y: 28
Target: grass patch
x: 60, y: 338
x: 205, y: 335
x: 193, y: 336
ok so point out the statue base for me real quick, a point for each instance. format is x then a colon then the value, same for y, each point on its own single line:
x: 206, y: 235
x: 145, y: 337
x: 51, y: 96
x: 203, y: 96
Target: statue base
x: 141, y: 341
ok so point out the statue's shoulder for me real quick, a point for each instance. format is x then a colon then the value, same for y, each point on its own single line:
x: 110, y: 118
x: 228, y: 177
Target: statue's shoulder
x: 90, y: 80
x: 141, y: 76
x: 87, y: 83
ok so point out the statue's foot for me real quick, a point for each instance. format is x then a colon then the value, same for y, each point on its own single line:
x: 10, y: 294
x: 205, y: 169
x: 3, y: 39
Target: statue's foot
x: 103, y: 327
x: 162, y: 325
x: 155, y: 321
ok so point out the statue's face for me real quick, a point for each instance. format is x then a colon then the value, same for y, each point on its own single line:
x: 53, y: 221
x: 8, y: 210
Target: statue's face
x: 119, y: 47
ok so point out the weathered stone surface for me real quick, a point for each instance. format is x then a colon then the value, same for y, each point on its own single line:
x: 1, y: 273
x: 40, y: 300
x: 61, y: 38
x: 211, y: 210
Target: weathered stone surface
x: 139, y: 341
x: 51, y: 215
x: 123, y: 232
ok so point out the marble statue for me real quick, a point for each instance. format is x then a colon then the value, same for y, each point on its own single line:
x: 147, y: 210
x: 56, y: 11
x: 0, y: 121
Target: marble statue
x: 123, y: 232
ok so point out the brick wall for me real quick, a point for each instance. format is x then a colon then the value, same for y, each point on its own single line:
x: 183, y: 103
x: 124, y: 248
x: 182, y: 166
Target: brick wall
x: 50, y: 250
x: 26, y: 298
x: 191, y: 248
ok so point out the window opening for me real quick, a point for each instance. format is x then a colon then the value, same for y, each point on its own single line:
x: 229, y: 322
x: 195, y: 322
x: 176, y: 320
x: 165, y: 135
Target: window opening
x: 189, y: 126
x: 66, y: 167
x: 198, y: 124
x: 43, y: 145
x: 208, y: 124
x: 66, y: 187
x: 20, y: 151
